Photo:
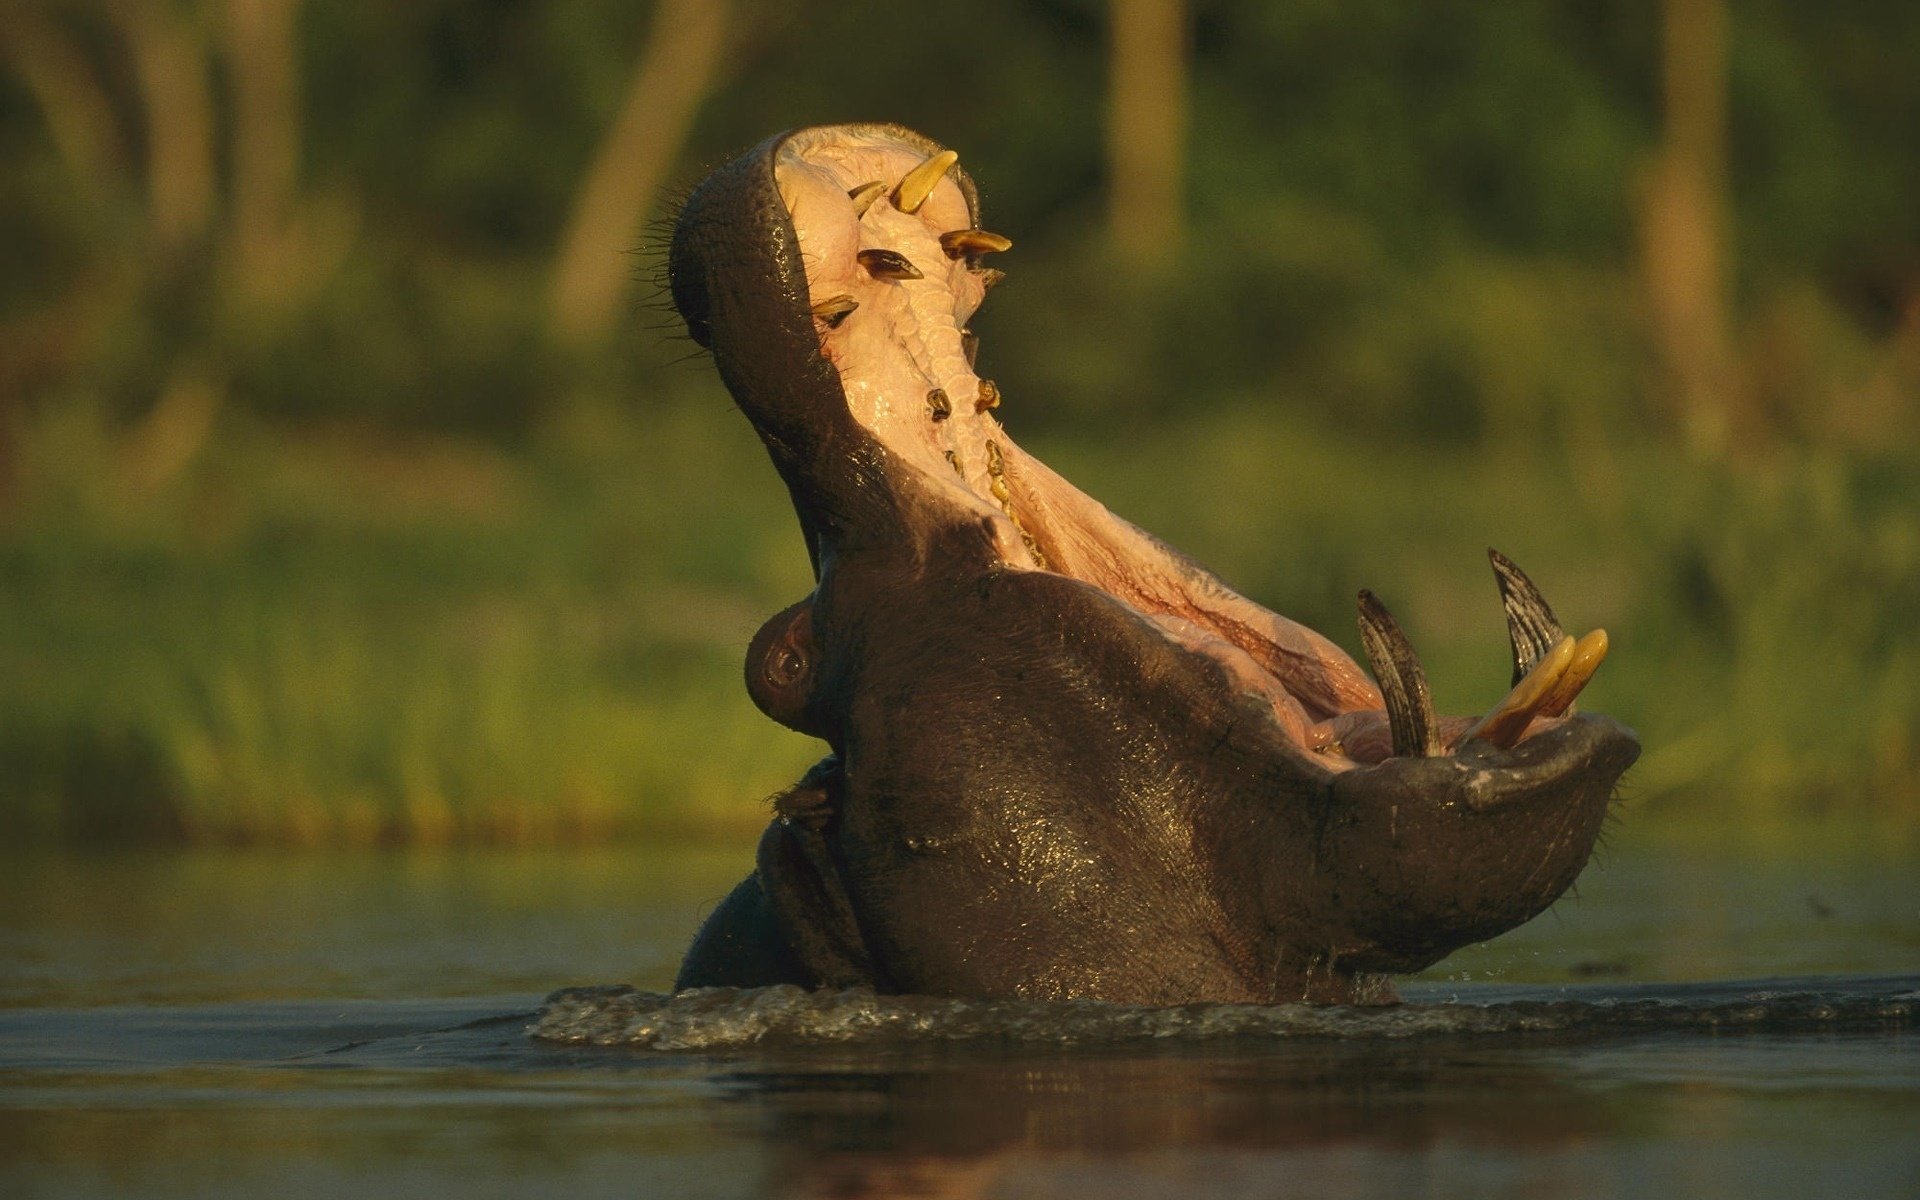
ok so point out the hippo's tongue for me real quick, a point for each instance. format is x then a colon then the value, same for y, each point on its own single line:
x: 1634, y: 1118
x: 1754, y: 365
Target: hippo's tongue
x: 893, y: 265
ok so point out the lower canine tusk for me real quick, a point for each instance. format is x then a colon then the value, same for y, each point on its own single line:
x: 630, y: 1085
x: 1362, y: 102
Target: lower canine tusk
x: 1532, y: 629
x: 1588, y: 653
x: 1509, y: 719
x: 1403, y: 681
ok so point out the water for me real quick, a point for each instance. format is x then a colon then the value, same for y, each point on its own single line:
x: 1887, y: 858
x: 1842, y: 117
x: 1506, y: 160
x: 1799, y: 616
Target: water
x: 210, y: 1025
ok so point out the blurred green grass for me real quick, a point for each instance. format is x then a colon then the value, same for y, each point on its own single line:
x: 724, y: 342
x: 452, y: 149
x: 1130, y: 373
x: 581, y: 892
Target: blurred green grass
x: 335, y: 639
x: 320, y: 640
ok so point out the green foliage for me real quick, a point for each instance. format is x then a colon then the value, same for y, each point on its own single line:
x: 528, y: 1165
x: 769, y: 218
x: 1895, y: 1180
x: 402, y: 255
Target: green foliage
x: 348, y: 548
x: 329, y: 640
x: 322, y: 641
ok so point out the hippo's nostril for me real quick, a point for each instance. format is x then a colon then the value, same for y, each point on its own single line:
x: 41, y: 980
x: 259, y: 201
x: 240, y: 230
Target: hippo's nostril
x: 914, y: 188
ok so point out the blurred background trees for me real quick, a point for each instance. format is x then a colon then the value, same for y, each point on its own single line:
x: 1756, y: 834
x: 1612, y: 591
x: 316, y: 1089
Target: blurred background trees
x: 331, y: 340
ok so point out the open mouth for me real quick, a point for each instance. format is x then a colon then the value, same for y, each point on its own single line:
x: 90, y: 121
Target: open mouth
x: 895, y: 266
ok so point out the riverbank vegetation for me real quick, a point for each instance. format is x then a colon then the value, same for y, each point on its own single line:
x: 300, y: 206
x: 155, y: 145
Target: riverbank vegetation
x: 346, y: 497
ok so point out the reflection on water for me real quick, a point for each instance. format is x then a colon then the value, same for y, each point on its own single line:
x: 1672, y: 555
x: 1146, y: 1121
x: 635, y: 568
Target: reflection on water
x: 200, y: 1025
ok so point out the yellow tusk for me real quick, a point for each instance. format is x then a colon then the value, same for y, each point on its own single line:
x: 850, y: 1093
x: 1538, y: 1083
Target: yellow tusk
x: 1588, y: 653
x: 918, y: 183
x: 1510, y: 718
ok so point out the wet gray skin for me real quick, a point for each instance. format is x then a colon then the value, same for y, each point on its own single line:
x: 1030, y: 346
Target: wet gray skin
x: 1066, y: 761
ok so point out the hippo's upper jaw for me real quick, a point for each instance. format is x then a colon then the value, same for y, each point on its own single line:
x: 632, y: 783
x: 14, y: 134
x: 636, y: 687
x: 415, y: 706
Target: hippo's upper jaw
x: 1068, y: 761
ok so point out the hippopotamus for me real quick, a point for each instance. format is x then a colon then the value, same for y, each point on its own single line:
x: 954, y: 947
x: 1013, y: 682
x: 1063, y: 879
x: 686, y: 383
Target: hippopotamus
x: 1065, y: 761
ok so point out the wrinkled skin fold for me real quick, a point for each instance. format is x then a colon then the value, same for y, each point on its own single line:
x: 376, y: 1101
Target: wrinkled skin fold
x: 1064, y: 760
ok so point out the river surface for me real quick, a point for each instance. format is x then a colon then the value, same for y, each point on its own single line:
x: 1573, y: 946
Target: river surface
x: 1701, y: 1021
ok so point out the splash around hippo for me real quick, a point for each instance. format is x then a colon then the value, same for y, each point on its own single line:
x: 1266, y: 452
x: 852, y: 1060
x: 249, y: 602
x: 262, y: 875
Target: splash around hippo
x: 1065, y: 760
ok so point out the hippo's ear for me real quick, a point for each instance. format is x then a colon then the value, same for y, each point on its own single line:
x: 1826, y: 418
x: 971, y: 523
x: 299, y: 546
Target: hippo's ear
x: 810, y: 904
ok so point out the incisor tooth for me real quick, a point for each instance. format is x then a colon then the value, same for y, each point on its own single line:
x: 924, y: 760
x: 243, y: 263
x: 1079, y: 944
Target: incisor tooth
x: 864, y: 196
x: 888, y: 264
x: 913, y: 190
x: 971, y: 243
x: 1510, y: 718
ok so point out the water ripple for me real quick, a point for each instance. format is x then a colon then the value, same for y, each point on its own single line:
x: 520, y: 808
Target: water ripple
x: 718, y: 1019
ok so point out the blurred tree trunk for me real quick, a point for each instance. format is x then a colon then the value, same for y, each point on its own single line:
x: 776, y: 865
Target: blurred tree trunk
x: 81, y: 126
x: 62, y: 82
x: 264, y: 72
x: 171, y: 65
x: 673, y: 74
x: 1147, y: 130
x: 1683, y: 226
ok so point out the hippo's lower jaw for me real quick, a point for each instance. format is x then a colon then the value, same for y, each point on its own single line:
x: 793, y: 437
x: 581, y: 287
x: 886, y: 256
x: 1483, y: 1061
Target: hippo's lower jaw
x: 1068, y: 760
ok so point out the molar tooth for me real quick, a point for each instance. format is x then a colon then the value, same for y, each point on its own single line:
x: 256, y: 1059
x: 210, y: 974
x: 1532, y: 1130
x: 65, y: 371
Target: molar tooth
x: 953, y: 460
x: 1403, y: 682
x: 972, y: 243
x: 864, y: 196
x: 997, y: 484
x: 997, y: 476
x: 1532, y: 629
x: 938, y: 402
x: 989, y: 396
x: 835, y: 309
x: 1528, y: 699
x: 918, y: 184
x: 888, y: 264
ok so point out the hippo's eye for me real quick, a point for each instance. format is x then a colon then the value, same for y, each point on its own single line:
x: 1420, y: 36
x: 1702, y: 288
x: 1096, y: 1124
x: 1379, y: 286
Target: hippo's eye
x: 785, y: 666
